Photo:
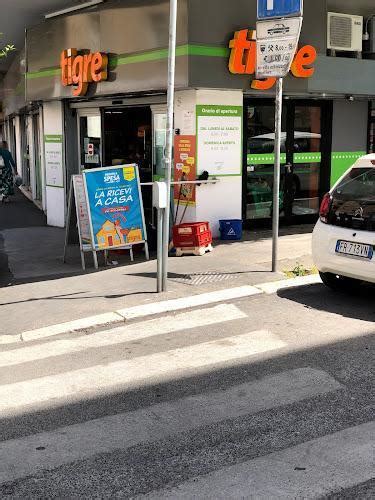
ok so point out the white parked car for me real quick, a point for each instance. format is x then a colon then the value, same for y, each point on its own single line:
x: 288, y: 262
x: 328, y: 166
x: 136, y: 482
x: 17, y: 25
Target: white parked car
x: 344, y: 237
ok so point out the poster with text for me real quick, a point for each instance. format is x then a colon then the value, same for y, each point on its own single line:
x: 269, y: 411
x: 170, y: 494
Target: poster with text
x: 115, y: 206
x: 219, y: 139
x: 53, y: 149
x: 81, y: 209
x: 185, y: 169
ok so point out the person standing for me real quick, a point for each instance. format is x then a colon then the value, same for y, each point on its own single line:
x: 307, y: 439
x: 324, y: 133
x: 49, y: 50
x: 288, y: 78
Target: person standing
x: 7, y: 170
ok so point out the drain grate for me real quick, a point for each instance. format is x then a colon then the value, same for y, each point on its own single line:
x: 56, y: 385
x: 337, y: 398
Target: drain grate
x: 197, y: 279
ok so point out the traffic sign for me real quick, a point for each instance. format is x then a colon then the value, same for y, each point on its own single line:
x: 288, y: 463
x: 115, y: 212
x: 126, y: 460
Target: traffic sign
x: 268, y: 9
x: 277, y: 42
x: 279, y: 28
x: 274, y: 58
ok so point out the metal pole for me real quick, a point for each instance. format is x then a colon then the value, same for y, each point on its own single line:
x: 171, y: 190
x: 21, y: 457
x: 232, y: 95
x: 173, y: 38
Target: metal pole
x: 169, y: 142
x: 160, y: 219
x: 276, y: 174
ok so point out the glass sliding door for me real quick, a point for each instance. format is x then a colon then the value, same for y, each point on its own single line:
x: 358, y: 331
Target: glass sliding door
x: 306, y: 164
x: 128, y: 139
x: 301, y: 158
x: 260, y: 141
x: 371, y: 128
x: 37, y: 157
x: 159, y: 141
x: 25, y: 151
x: 90, y: 139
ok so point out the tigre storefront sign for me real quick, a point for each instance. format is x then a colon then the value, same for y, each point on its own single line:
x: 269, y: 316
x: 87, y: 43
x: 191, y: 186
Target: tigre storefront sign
x: 80, y: 70
x: 243, y: 59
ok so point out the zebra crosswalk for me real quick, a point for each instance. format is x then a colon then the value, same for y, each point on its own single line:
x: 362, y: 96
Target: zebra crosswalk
x: 158, y: 421
x: 338, y: 461
x: 192, y: 425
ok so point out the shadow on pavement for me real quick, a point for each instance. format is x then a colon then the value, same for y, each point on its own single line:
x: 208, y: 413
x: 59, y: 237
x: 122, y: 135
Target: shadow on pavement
x: 247, y: 437
x: 75, y: 296
x: 353, y: 305
x: 350, y: 355
x: 20, y: 213
x: 31, y: 251
x: 195, y: 275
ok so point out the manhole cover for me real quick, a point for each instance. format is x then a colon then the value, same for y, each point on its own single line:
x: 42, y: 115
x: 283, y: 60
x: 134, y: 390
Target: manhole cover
x: 202, y: 278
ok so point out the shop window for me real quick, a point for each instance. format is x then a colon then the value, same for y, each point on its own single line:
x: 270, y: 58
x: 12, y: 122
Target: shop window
x: 371, y: 128
x: 300, y: 160
x: 260, y: 159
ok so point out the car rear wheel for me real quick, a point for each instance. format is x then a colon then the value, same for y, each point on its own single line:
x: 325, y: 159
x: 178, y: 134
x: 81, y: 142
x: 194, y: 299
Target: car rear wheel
x: 339, y: 283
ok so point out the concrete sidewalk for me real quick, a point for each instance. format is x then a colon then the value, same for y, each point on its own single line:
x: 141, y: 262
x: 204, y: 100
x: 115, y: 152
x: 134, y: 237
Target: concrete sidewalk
x: 39, y: 290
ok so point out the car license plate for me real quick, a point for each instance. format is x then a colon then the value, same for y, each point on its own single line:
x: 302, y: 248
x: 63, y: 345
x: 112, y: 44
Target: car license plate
x: 355, y: 249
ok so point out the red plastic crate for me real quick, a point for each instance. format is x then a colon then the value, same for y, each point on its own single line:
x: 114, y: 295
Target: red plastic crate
x: 194, y: 234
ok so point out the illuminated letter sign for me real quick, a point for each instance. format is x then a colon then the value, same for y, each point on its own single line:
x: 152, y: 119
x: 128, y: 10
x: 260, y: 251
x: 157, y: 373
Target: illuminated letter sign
x: 80, y: 70
x: 242, y: 59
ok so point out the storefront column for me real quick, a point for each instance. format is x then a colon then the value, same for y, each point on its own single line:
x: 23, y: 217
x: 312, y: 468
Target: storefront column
x: 349, y: 135
x: 211, y: 123
x: 54, y: 167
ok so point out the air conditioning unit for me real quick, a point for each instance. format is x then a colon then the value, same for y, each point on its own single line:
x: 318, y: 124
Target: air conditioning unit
x: 344, y: 32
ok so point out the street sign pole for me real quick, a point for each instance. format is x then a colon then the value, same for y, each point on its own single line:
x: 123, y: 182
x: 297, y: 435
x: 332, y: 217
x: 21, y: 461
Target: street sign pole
x: 276, y: 174
x: 278, y: 31
x: 169, y: 142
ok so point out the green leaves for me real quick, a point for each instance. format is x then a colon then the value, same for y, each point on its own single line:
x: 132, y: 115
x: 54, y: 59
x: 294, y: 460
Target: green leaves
x: 5, y: 50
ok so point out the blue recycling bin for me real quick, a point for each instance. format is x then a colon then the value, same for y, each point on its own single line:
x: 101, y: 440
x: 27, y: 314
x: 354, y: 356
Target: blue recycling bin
x: 230, y: 229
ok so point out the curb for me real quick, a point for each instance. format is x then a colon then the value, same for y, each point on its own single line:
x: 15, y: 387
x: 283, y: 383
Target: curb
x: 121, y: 316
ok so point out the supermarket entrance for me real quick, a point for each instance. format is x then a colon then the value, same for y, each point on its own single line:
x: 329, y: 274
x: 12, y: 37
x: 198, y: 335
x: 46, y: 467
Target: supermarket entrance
x: 305, y: 164
x: 128, y: 139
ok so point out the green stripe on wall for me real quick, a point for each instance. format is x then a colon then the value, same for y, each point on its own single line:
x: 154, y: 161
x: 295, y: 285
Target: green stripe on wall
x: 269, y: 159
x: 264, y: 159
x: 207, y: 51
x: 340, y: 162
x: 43, y: 73
x: 151, y: 55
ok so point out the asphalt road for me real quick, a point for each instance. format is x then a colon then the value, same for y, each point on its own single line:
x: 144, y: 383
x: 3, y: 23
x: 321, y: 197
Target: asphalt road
x: 266, y: 397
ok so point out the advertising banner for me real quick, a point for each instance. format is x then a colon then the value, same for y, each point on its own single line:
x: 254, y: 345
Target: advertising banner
x: 219, y: 139
x: 115, y: 206
x: 185, y: 169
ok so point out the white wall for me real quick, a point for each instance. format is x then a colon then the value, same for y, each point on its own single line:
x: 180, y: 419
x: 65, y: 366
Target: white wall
x: 55, y: 196
x: 18, y: 154
x: 214, y: 201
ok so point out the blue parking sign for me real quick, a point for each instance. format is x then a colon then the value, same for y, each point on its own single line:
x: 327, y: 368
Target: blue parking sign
x: 268, y: 9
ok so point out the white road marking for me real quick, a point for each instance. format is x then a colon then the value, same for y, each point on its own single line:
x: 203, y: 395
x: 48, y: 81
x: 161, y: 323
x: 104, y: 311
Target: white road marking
x: 157, y: 308
x: 202, y: 299
x: 72, y: 326
x: 110, y: 318
x: 135, y: 312
x: 160, y: 326
x: 20, y: 458
x: 336, y: 461
x: 274, y: 287
x: 98, y: 380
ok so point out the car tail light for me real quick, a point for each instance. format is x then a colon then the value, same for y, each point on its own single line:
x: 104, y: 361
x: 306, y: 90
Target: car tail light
x: 325, y: 207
